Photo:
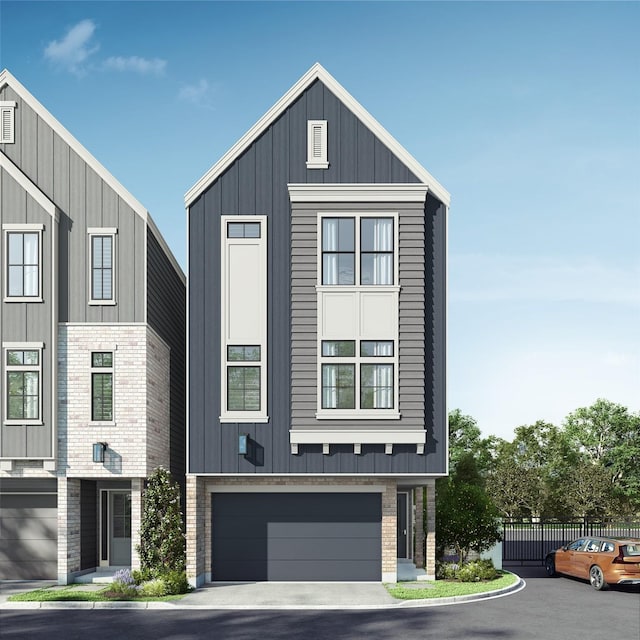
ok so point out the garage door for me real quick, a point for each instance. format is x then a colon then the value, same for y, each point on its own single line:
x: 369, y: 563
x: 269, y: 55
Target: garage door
x: 28, y: 536
x: 296, y: 536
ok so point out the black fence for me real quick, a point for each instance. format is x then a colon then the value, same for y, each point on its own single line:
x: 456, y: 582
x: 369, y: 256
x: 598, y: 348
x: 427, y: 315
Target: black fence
x: 527, y: 543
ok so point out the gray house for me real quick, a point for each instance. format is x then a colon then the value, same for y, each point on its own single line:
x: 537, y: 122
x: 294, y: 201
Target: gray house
x: 92, y: 328
x: 316, y: 349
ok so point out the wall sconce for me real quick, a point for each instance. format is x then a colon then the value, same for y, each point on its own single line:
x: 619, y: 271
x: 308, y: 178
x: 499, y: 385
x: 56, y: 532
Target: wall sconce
x: 98, y: 451
x: 243, y: 444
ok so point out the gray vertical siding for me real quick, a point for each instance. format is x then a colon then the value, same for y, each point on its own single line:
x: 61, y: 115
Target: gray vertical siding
x: 256, y: 184
x: 166, y: 313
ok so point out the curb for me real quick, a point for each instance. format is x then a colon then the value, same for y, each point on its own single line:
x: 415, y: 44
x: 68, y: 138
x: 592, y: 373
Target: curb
x: 178, y: 606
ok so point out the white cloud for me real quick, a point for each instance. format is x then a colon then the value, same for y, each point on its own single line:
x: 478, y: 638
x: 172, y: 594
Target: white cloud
x: 75, y: 48
x: 478, y: 278
x: 198, y: 94
x: 154, y: 66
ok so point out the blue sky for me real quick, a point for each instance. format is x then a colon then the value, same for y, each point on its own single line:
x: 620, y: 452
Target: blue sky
x: 528, y: 113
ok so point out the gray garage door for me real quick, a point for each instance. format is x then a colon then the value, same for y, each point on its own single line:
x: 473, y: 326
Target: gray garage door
x: 295, y: 536
x: 28, y: 536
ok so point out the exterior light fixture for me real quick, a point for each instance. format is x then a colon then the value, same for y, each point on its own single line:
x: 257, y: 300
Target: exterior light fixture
x: 98, y: 451
x: 243, y: 444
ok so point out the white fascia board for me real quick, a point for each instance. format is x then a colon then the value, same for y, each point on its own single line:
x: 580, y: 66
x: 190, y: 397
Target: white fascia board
x: 6, y: 78
x: 353, y: 436
x: 331, y: 192
x: 302, y: 488
x: 28, y: 186
x: 317, y: 72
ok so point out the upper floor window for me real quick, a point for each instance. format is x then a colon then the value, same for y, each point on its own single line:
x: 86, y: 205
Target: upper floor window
x: 23, y: 384
x: 7, y: 122
x: 102, y: 266
x: 102, y: 386
x: 243, y: 378
x: 23, y: 250
x: 358, y: 250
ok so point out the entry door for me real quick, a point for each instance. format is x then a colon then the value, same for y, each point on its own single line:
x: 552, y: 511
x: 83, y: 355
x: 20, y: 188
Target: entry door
x: 403, y: 535
x: 120, y: 528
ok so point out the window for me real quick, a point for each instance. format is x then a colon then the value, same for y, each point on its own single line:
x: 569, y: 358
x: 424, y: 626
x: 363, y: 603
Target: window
x: 7, y: 122
x: 23, y: 264
x: 243, y: 230
x: 357, y: 382
x: 317, y: 157
x: 243, y: 381
x: 371, y: 238
x: 102, y: 386
x: 23, y: 399
x: 102, y: 266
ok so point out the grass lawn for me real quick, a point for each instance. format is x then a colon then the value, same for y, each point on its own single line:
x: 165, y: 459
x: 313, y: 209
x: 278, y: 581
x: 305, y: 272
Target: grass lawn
x: 73, y: 592
x: 448, y: 588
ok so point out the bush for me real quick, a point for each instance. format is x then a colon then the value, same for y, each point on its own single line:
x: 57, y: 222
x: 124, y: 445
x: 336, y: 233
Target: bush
x: 446, y: 570
x: 477, y: 570
x: 123, y: 584
x: 176, y: 582
x: 154, y: 588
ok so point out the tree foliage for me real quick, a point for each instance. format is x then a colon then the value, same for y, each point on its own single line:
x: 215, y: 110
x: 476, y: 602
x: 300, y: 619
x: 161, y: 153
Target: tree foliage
x: 162, y: 539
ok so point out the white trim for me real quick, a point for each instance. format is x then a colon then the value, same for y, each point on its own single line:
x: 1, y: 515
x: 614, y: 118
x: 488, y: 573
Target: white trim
x: 26, y: 226
x: 361, y: 193
x: 8, y: 106
x: 102, y: 231
x: 29, y: 187
x: 317, y: 72
x: 356, y: 436
x: 242, y: 417
x: 319, y: 161
x: 8, y: 103
x: 23, y: 345
x: 413, y: 477
x: 280, y: 488
x: 6, y: 368
x: 111, y: 232
x: 359, y: 414
x: 22, y: 228
x: 187, y: 345
x: 6, y: 78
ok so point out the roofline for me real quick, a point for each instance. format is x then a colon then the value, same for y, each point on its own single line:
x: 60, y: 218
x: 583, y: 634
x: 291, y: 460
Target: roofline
x: 7, y: 78
x: 32, y: 189
x: 317, y: 72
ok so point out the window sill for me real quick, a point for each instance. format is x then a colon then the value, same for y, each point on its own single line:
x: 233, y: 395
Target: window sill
x: 387, y: 288
x: 24, y: 299
x: 14, y: 423
x: 317, y: 165
x: 102, y: 303
x: 359, y: 414
x: 102, y: 423
x: 243, y: 417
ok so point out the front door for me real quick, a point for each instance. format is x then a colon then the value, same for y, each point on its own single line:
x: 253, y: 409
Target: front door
x: 403, y: 528
x: 120, y: 528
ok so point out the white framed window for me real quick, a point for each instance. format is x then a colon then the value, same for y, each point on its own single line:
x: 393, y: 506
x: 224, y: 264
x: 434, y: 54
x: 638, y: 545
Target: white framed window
x: 102, y: 261
x: 102, y: 387
x: 244, y: 319
x: 23, y: 383
x: 357, y: 379
x: 358, y: 250
x: 23, y: 262
x: 317, y: 156
x: 7, y: 122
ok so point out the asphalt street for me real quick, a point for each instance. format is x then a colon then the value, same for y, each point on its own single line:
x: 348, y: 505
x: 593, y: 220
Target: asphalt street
x: 548, y: 609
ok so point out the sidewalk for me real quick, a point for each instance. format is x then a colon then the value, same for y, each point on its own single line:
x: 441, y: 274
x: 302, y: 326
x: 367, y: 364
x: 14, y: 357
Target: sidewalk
x: 261, y: 595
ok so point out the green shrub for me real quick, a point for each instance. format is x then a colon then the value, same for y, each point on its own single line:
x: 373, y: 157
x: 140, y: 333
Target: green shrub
x: 176, y: 582
x: 477, y: 570
x: 154, y: 588
x: 141, y: 575
x: 123, y: 584
x: 446, y: 570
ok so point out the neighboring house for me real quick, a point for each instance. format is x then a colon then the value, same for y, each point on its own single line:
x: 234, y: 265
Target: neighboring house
x: 92, y: 352
x: 316, y: 349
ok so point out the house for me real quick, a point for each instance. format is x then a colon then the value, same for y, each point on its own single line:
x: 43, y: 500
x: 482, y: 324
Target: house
x: 316, y: 349
x: 92, y: 329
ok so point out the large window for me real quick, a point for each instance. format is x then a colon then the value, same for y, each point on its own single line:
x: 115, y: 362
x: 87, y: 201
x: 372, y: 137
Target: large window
x: 23, y: 370
x: 102, y: 266
x: 371, y: 239
x: 243, y: 378
x: 23, y: 264
x: 102, y: 386
x: 357, y: 379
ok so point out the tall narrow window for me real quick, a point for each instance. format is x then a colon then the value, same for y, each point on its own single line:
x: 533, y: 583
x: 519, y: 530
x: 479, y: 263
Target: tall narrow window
x: 23, y: 264
x: 23, y: 384
x: 338, y: 386
x: 102, y: 386
x: 376, y: 251
x: 338, y: 251
x: 376, y: 386
x: 243, y: 380
x: 102, y: 276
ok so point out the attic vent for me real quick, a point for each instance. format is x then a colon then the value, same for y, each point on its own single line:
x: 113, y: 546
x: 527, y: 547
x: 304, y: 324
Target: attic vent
x: 7, y: 118
x: 317, y: 144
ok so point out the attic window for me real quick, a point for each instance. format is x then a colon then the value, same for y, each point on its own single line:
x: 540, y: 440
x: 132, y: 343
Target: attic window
x: 317, y: 144
x: 7, y: 122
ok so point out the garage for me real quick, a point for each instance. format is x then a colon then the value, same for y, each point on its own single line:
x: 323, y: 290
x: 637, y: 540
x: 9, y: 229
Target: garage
x: 296, y: 536
x: 28, y: 530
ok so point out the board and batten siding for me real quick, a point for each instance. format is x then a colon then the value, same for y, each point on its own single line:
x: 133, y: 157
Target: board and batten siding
x: 84, y: 201
x: 256, y: 184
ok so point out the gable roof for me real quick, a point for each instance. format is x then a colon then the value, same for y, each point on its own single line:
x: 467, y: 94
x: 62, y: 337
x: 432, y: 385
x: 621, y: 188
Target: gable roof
x: 317, y: 72
x: 7, y: 79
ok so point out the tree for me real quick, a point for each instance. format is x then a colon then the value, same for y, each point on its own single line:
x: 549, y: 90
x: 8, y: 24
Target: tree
x: 515, y: 490
x: 162, y: 539
x: 589, y: 492
x: 465, y: 437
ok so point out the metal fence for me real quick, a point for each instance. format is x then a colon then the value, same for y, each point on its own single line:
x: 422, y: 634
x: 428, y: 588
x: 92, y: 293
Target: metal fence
x: 526, y: 542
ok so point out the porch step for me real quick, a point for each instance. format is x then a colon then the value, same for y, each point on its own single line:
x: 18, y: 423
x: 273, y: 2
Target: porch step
x: 408, y: 572
x: 102, y: 575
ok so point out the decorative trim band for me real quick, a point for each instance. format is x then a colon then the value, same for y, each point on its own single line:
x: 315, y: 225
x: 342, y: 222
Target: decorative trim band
x: 411, y: 192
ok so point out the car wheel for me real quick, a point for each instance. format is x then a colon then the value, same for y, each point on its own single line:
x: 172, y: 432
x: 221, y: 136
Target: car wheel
x: 596, y: 578
x: 550, y: 566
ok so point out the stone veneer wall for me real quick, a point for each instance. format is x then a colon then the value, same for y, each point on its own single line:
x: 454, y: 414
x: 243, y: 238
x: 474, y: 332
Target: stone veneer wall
x: 199, y: 516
